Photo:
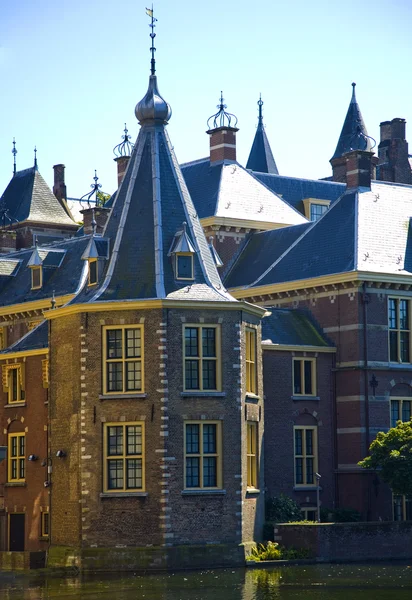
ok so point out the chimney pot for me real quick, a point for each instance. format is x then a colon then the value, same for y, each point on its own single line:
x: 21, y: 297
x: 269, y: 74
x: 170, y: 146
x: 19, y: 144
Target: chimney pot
x: 359, y: 167
x: 59, y: 186
x: 122, y: 162
x: 222, y: 144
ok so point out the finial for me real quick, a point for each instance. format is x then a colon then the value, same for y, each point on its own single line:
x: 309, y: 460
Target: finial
x: 53, y: 301
x: 95, y: 190
x: 125, y: 147
x: 353, y: 92
x: 14, y: 152
x: 35, y: 158
x: 222, y: 118
x: 149, y: 12
x: 260, y: 104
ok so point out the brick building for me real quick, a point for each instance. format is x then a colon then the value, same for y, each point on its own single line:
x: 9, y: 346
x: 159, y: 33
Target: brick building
x: 151, y: 403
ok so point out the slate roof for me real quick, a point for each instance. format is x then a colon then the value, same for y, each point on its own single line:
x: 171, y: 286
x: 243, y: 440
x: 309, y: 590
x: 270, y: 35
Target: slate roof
x: 28, y: 198
x: 292, y: 327
x: 261, y: 157
x: 354, y: 134
x: 35, y: 339
x: 229, y: 190
x: 294, y: 189
x: 366, y: 230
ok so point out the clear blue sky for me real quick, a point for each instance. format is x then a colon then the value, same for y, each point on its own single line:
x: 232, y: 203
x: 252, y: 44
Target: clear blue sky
x: 71, y: 72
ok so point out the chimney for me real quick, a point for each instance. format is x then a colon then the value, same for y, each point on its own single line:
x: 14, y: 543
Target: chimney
x: 101, y: 215
x: 359, y: 167
x: 59, y: 186
x: 222, y: 135
x: 122, y: 162
x: 393, y: 152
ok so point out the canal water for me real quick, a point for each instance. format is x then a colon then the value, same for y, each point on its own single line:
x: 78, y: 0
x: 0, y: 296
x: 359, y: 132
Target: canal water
x: 305, y: 582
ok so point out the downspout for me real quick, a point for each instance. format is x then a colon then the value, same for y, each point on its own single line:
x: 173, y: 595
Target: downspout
x: 335, y: 432
x: 365, y: 302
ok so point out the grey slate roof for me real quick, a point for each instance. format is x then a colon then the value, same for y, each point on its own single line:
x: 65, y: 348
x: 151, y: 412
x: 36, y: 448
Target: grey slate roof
x: 261, y: 157
x: 229, y: 190
x: 353, y: 134
x: 294, y: 189
x: 292, y: 327
x: 35, y: 339
x: 28, y: 198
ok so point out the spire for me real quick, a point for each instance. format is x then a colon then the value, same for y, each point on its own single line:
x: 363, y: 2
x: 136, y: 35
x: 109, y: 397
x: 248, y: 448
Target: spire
x: 354, y: 135
x: 35, y: 159
x: 261, y: 157
x: 153, y: 107
x: 145, y: 224
x: 14, y: 152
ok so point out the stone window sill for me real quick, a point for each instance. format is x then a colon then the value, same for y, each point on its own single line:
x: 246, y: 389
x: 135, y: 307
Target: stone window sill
x: 306, y: 488
x: 250, y: 491
x: 15, y: 484
x: 124, y: 494
x: 196, y: 394
x: 252, y: 397
x: 306, y: 398
x: 138, y: 396
x: 43, y: 538
x: 203, y: 492
x: 16, y: 405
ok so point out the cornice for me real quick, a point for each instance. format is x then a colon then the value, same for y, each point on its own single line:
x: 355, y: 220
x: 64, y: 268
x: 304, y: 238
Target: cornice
x: 23, y: 353
x: 29, y: 309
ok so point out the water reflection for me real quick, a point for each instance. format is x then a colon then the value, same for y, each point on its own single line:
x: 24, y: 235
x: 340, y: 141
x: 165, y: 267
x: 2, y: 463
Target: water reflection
x: 311, y: 582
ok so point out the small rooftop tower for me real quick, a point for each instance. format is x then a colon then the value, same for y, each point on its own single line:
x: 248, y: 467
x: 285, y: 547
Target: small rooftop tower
x: 222, y: 131
x: 261, y: 157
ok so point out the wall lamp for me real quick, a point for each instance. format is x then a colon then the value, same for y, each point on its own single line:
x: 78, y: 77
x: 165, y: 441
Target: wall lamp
x: 32, y: 457
x: 60, y: 454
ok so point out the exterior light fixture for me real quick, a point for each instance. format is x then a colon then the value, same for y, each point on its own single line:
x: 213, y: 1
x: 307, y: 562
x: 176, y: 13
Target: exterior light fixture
x: 60, y: 454
x: 32, y: 457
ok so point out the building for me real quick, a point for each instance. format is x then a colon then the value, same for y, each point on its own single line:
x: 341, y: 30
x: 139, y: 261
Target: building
x: 213, y: 336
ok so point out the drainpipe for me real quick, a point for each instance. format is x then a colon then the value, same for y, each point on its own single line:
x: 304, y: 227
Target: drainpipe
x: 365, y: 302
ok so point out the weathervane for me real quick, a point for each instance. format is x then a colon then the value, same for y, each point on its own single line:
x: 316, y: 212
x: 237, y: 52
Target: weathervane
x: 149, y: 12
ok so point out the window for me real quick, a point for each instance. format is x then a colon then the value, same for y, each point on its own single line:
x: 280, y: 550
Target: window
x: 316, y: 211
x: 309, y: 514
x: 399, y: 330
x: 124, y: 457
x: 184, y: 266
x: 305, y: 455
x: 45, y: 524
x: 93, y: 271
x: 252, y: 463
x: 251, y: 361
x: 17, y: 457
x: 36, y: 277
x: 13, y: 383
x: 400, y: 410
x: 203, y: 455
x: 123, y: 358
x: 304, y: 376
x: 202, y: 358
x: 2, y: 338
x: 402, y: 508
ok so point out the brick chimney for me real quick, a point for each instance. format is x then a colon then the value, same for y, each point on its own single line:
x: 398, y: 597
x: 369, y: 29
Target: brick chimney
x: 122, y: 162
x: 359, y: 168
x: 222, y: 144
x: 393, y: 152
x: 101, y: 215
x: 59, y: 186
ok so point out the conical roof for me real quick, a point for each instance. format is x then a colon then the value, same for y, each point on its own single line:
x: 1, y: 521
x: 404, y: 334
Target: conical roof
x: 354, y: 135
x: 261, y: 157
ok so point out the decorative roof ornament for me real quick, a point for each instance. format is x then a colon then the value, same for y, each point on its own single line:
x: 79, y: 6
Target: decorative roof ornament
x: 125, y: 147
x: 183, y: 242
x: 261, y: 156
x: 153, y: 107
x: 215, y: 256
x: 354, y: 135
x: 14, y: 152
x: 260, y: 117
x: 35, y: 159
x: 222, y: 118
x: 96, y: 187
x: 360, y: 133
x: 35, y: 259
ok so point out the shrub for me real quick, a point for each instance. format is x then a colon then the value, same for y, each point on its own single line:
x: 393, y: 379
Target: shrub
x: 282, y: 509
x: 340, y: 515
x: 268, y: 551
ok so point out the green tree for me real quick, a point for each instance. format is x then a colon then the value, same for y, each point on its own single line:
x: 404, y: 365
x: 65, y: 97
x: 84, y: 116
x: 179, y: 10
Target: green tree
x: 391, y: 454
x: 102, y: 198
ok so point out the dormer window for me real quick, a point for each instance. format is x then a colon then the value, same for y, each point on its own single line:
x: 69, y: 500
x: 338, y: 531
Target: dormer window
x: 36, y: 277
x: 183, y: 253
x: 93, y: 271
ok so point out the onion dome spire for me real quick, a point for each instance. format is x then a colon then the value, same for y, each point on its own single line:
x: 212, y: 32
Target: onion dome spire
x: 153, y: 107
x: 261, y: 157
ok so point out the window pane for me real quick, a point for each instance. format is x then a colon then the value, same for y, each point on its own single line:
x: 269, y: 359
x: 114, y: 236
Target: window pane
x: 209, y: 341
x: 309, y: 470
x: 115, y: 377
x: 393, y: 345
x: 309, y: 441
x: 403, y: 314
x: 404, y: 346
x: 191, y: 341
x: 21, y: 468
x: 311, y: 515
x: 14, y: 469
x: 297, y: 384
x: 115, y: 441
x: 406, y: 410
x: 299, y: 470
x: 192, y: 374
x: 192, y: 472
x: 133, y: 376
x: 184, y: 266
x: 14, y: 446
x: 392, y: 317
x: 14, y: 376
x: 209, y: 439
x: 22, y: 440
x: 395, y: 416
x: 134, y: 439
x: 114, y: 343
x: 133, y: 341
x: 93, y: 271
x: 316, y: 211
x: 209, y: 472
x: 308, y: 377
x: 115, y: 475
x: 134, y: 473
x: 298, y: 442
x: 45, y: 524
x: 209, y: 374
x: 192, y: 439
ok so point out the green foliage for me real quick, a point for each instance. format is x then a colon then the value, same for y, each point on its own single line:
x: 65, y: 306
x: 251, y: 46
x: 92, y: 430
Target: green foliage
x: 102, y: 198
x: 391, y: 454
x: 282, y: 509
x: 268, y: 551
x: 340, y: 515
x: 295, y: 553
